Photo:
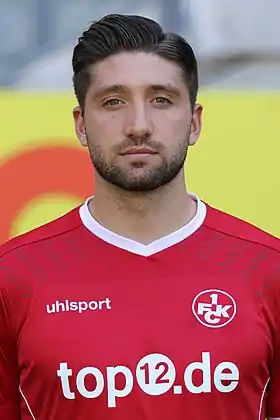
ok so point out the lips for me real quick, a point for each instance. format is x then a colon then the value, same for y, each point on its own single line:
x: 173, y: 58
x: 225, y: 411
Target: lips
x: 139, y: 151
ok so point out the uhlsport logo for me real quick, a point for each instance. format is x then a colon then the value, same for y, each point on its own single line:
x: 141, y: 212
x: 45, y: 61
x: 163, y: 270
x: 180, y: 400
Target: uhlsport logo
x: 214, y: 308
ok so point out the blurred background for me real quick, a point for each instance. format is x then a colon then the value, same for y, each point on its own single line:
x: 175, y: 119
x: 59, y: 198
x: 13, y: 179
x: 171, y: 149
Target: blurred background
x: 43, y: 172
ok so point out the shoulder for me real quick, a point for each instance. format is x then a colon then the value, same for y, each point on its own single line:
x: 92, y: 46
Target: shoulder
x: 29, y: 263
x: 32, y: 240
x: 32, y: 253
x: 29, y: 259
x: 241, y: 231
x: 250, y: 250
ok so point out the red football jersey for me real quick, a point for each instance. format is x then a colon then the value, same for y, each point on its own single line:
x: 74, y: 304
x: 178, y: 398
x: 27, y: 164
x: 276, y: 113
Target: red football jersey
x: 97, y: 326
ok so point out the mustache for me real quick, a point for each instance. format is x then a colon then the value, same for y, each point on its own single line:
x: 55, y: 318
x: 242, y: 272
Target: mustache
x: 139, y: 142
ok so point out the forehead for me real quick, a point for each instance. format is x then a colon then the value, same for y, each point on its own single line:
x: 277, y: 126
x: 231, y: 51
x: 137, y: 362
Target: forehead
x: 136, y: 69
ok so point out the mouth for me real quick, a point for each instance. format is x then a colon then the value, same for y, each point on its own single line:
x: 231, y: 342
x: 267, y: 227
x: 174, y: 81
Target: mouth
x: 138, y: 151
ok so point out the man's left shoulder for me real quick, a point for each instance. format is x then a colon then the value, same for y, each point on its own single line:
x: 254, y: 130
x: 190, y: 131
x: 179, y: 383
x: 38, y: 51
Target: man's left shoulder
x: 235, y: 227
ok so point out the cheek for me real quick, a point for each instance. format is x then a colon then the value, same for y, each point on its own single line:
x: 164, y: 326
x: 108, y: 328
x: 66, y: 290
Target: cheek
x: 105, y: 138
x: 105, y: 125
x: 174, y: 124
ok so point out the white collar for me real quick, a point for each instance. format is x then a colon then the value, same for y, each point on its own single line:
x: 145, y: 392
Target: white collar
x: 135, y: 247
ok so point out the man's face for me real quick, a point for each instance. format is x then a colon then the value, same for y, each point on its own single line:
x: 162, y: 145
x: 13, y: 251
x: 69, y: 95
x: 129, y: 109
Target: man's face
x: 137, y: 121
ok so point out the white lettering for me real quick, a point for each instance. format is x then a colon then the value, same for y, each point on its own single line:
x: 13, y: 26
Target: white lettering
x: 223, y: 310
x: 211, y: 318
x: 64, y: 373
x: 79, y: 306
x: 59, y: 306
x: 113, y: 392
x: 82, y: 307
x: 93, y: 305
x: 73, y: 306
x: 106, y: 302
x: 204, y: 367
x: 203, y: 307
x: 81, y: 382
x: 214, y: 298
x: 220, y: 375
x: 50, y: 308
x: 155, y: 374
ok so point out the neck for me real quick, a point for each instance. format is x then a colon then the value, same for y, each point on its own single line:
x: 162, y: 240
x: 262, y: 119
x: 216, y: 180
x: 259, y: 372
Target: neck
x: 143, y: 217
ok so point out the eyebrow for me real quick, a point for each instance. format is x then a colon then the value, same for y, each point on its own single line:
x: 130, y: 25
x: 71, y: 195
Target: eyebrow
x: 167, y: 88
x: 105, y: 90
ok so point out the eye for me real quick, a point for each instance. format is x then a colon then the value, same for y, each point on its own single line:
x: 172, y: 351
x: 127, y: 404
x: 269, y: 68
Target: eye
x: 161, y: 100
x: 112, y: 102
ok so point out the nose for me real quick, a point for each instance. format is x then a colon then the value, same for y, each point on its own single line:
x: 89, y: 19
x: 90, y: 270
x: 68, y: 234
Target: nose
x: 138, y: 122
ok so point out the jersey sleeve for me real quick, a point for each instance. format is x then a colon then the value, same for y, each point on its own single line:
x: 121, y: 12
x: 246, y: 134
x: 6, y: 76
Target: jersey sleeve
x: 273, y: 391
x: 9, y: 379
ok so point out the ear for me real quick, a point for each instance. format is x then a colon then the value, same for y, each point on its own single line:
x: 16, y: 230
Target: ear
x: 196, y: 124
x: 80, y: 125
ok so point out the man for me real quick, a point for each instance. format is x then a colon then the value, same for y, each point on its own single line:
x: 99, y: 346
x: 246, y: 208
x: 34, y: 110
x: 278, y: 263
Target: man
x: 145, y: 302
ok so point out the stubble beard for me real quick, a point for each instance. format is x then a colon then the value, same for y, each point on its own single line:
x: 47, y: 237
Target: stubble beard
x: 139, y: 179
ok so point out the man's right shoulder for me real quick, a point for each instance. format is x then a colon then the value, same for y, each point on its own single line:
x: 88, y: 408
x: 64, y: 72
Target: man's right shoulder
x: 60, y: 226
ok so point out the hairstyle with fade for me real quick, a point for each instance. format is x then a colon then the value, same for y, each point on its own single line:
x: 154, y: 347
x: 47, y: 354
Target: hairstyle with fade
x: 116, y: 33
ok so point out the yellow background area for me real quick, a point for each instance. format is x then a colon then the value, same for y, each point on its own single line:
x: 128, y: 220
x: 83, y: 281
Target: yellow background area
x: 234, y: 166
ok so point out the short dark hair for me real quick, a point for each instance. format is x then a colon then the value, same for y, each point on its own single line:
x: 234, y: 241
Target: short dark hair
x: 116, y: 33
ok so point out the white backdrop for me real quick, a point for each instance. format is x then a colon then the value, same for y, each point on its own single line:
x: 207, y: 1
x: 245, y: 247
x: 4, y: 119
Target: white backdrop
x: 229, y: 26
